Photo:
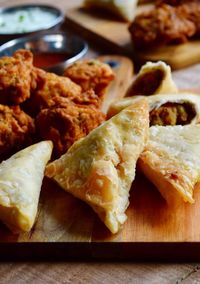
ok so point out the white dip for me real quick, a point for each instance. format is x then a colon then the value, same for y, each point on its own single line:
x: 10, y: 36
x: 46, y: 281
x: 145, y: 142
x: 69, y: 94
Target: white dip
x: 25, y: 20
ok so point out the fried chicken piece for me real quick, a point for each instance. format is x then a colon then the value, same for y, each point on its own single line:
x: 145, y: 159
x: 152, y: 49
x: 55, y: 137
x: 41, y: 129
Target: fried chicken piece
x: 48, y: 90
x: 191, y: 11
x: 66, y: 124
x: 15, y: 77
x: 91, y: 74
x: 163, y: 25
x: 88, y: 98
x: 45, y: 87
x: 16, y: 130
x: 45, y: 83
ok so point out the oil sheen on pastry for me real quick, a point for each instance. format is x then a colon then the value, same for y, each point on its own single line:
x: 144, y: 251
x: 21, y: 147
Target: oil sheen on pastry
x: 100, y: 168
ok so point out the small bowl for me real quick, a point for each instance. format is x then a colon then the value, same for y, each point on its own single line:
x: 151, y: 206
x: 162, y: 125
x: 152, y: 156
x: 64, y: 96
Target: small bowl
x: 52, y: 25
x: 50, y: 47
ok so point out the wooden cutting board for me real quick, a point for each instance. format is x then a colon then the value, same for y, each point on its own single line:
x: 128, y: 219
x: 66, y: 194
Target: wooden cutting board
x: 104, y: 29
x: 68, y: 228
x: 123, y: 68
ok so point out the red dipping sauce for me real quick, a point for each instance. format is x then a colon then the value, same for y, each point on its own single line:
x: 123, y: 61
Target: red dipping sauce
x: 47, y: 59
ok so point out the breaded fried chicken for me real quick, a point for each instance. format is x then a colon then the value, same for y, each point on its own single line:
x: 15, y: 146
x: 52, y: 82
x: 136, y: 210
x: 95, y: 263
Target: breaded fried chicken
x: 66, y: 124
x: 88, y: 98
x: 46, y: 87
x: 48, y: 90
x: 90, y: 74
x: 191, y: 11
x: 65, y: 109
x: 50, y: 83
x: 170, y: 21
x: 16, y: 130
x: 163, y: 25
x: 15, y: 77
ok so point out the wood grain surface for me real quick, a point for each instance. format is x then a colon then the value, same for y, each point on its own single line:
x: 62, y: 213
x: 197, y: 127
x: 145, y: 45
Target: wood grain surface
x: 99, y: 273
x: 104, y: 272
x: 124, y: 69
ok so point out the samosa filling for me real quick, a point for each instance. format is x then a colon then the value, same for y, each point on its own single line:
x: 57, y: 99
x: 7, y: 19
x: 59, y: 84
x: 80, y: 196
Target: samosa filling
x: 172, y: 114
x: 147, y: 84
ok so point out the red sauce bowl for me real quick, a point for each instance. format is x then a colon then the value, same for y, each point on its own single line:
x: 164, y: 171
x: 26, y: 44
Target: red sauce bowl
x: 52, y: 52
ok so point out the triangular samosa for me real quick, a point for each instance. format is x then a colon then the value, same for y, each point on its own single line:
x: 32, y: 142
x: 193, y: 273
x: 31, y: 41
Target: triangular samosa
x: 171, y: 160
x: 20, y: 184
x: 100, y: 167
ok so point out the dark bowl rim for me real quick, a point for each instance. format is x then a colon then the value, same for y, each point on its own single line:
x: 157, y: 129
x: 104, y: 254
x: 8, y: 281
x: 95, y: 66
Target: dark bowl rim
x: 58, y: 19
x: 76, y: 56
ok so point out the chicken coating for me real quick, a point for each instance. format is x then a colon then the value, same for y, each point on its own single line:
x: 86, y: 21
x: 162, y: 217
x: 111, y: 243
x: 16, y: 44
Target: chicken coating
x: 15, y: 77
x: 171, y: 21
x: 91, y: 74
x: 65, y: 125
x: 191, y: 11
x: 159, y: 26
x: 16, y: 130
x: 65, y: 110
x: 54, y: 100
x: 45, y: 83
x: 45, y: 87
x: 48, y: 90
x: 163, y: 25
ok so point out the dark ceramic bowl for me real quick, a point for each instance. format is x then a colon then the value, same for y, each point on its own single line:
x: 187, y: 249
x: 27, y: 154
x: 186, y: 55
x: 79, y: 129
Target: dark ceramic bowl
x: 53, y: 25
x: 52, y: 45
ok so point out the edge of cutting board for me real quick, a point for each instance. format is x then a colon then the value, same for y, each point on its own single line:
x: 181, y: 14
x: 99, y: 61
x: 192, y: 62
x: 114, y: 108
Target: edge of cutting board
x: 89, y: 248
x: 182, y: 251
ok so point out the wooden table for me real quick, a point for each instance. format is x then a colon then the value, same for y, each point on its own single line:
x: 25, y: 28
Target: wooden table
x: 101, y: 272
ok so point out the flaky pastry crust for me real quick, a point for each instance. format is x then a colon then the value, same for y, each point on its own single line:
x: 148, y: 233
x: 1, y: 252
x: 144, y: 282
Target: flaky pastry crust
x: 100, y: 168
x: 171, y: 160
